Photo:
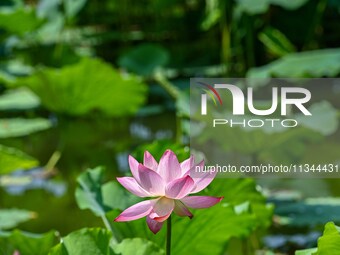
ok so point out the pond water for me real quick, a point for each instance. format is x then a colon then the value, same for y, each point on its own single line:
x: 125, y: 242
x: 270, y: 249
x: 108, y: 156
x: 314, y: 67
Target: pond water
x: 83, y: 143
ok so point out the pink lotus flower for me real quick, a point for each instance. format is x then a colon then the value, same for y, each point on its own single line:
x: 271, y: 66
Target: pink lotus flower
x: 171, y: 183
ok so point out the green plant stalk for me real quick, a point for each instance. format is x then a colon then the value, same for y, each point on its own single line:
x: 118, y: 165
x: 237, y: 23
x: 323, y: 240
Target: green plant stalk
x: 250, y: 42
x: 109, y: 227
x: 53, y: 161
x: 174, y: 92
x: 317, y: 19
x: 225, y: 36
x: 168, y: 236
x: 167, y: 85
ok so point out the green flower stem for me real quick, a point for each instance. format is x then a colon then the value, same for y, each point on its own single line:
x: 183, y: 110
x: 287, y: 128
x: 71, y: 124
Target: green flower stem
x: 168, y: 236
x: 174, y: 92
x: 109, y: 227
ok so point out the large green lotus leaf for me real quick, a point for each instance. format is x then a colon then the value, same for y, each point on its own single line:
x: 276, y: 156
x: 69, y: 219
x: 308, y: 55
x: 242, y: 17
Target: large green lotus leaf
x: 26, y: 243
x: 100, y: 199
x: 24, y: 20
x: 261, y: 6
x: 96, y: 241
x: 329, y: 243
x: 132, y: 229
x: 90, y: 85
x: 137, y: 246
x: 211, y: 228
x: 12, y: 159
x: 144, y: 59
x: 243, y: 194
x: 317, y: 63
x: 18, y: 99
x: 10, y: 218
x: 21, y: 127
x: 87, y: 241
x: 18, y: 21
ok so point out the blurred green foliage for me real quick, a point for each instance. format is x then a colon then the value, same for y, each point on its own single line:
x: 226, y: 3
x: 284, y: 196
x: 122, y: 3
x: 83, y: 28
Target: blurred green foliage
x: 93, y: 69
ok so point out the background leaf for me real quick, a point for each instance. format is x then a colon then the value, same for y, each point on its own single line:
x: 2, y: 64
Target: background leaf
x: 12, y: 159
x: 26, y: 243
x: 144, y: 59
x: 276, y: 42
x: 18, y: 21
x: 90, y: 85
x: 20, y: 127
x: 10, y: 218
x: 19, y: 99
x: 137, y: 246
x: 322, y: 112
x: 87, y: 241
x: 100, y: 199
x: 72, y: 7
x: 317, y: 63
x: 227, y: 219
x: 261, y: 6
x: 329, y: 243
